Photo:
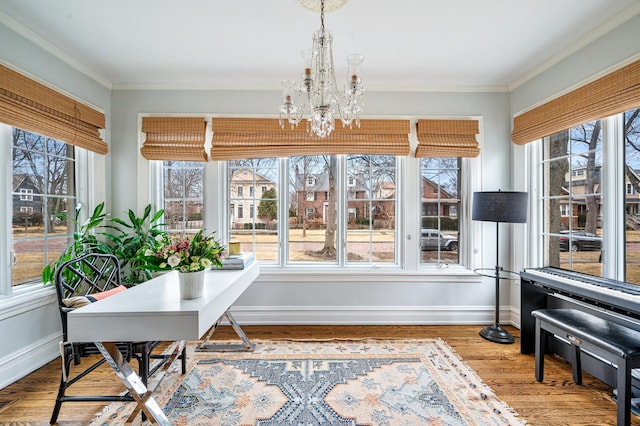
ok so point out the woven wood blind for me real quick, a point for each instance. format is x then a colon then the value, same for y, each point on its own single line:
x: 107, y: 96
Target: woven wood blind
x: 447, y: 138
x: 34, y: 107
x: 174, y: 138
x: 614, y: 93
x: 238, y: 138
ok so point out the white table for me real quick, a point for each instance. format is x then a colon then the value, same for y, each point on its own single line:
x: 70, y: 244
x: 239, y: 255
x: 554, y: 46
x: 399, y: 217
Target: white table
x: 153, y: 311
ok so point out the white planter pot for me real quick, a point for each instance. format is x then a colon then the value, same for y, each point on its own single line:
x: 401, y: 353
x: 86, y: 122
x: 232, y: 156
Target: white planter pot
x: 191, y: 284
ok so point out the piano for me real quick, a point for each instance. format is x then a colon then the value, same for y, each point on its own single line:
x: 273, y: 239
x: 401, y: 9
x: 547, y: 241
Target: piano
x: 551, y: 287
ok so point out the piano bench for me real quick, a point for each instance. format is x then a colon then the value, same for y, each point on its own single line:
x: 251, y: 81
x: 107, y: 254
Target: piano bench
x: 611, y: 341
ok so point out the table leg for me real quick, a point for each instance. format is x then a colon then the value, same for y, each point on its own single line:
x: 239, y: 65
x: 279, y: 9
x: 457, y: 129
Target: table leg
x: 140, y: 393
x: 246, y: 343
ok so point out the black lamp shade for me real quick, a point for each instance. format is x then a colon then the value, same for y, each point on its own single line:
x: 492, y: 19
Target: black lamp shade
x: 500, y: 206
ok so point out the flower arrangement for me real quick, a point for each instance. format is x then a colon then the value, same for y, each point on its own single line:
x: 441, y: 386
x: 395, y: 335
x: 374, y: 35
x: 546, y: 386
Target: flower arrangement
x: 182, y: 253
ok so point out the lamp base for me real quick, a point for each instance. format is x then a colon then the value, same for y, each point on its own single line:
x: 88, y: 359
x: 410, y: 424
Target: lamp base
x: 497, y: 334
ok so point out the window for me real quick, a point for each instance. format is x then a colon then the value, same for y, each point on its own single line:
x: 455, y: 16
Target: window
x: 44, y: 183
x: 631, y: 134
x: 585, y: 189
x: 183, y: 195
x: 440, y: 202
x: 351, y: 225
x: 572, y: 170
x: 26, y: 194
x: 263, y: 190
x: 259, y: 232
x: 368, y: 211
x: 373, y: 197
x: 251, y: 191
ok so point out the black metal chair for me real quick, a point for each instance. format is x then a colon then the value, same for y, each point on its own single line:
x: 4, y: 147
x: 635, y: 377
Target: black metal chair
x: 76, y: 281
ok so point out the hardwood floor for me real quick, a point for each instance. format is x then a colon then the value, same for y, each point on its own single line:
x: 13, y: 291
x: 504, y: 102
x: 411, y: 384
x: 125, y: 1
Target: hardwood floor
x: 557, y: 401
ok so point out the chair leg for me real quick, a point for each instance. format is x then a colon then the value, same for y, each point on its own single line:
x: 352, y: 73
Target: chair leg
x: 67, y: 355
x: 184, y: 360
x: 144, y: 360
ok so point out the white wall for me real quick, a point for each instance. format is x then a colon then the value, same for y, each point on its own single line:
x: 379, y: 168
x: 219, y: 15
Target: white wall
x: 367, y: 297
x: 30, y: 326
x: 615, y: 48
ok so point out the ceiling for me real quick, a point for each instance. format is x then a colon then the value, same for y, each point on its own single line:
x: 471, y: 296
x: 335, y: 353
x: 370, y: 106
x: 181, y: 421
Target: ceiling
x: 254, y: 44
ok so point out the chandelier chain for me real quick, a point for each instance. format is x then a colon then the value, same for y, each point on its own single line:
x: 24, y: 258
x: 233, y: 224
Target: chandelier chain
x: 318, y: 98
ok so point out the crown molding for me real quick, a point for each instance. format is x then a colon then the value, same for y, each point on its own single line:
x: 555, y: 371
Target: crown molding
x: 55, y: 51
x: 578, y: 45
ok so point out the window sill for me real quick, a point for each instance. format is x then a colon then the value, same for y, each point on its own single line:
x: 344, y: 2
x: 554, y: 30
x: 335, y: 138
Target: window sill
x: 27, y: 298
x: 457, y: 274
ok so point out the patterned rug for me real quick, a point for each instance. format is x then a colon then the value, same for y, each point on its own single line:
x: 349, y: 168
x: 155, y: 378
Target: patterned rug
x: 304, y: 383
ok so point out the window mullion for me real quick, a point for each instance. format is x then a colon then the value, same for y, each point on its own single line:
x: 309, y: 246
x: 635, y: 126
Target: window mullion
x: 342, y: 213
x: 613, y: 198
x: 6, y: 253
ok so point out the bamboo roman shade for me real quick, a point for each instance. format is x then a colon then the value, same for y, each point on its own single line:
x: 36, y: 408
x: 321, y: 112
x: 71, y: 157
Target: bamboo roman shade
x: 32, y: 106
x: 447, y: 138
x: 237, y: 138
x: 174, y: 138
x: 614, y: 93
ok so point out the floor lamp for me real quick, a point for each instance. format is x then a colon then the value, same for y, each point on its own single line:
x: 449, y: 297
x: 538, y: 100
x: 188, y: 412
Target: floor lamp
x: 499, y: 206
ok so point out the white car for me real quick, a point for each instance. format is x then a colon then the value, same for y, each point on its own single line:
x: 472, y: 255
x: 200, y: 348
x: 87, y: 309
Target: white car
x: 431, y: 239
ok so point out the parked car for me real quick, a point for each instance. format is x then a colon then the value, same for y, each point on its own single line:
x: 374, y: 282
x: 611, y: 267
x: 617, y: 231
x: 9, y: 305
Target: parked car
x: 579, y: 241
x: 431, y: 239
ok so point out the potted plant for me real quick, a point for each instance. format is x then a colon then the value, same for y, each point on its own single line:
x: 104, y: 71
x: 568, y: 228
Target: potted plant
x: 85, y: 240
x: 130, y: 236
x: 124, y: 239
x: 190, y: 256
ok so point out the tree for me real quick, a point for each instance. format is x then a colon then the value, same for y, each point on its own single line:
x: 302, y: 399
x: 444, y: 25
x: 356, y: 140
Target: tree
x: 268, y: 207
x: 305, y: 167
x: 590, y: 134
x: 557, y: 171
x: 632, y: 142
x: 329, y: 249
x: 52, y: 173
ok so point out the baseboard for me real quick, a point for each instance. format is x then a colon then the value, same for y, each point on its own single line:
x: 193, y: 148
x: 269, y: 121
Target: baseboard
x: 17, y: 365
x: 28, y: 359
x: 367, y: 315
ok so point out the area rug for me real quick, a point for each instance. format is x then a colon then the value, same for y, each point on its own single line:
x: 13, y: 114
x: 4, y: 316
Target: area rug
x: 304, y: 383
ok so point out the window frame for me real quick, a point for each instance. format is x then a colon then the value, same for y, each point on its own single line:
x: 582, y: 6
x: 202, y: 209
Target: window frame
x: 216, y: 200
x: 87, y: 192
x: 613, y: 200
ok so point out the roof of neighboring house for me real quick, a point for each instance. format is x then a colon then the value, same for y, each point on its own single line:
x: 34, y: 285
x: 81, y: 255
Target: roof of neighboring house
x: 237, y: 176
x: 443, y: 192
x: 20, y: 179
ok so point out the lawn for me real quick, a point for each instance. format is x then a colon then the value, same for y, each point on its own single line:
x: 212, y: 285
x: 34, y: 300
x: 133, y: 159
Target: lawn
x: 29, y: 258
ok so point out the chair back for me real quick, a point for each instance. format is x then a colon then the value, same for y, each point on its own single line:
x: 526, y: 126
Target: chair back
x: 83, y: 276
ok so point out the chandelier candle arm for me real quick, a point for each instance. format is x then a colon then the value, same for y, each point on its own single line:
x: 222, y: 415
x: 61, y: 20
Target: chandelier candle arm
x: 319, y: 99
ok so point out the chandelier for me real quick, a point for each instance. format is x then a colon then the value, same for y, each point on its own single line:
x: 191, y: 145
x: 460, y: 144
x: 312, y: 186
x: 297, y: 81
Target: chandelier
x: 317, y: 97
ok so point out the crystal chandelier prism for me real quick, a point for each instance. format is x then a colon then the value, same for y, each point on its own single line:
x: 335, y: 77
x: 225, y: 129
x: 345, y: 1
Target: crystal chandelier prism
x: 317, y: 97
